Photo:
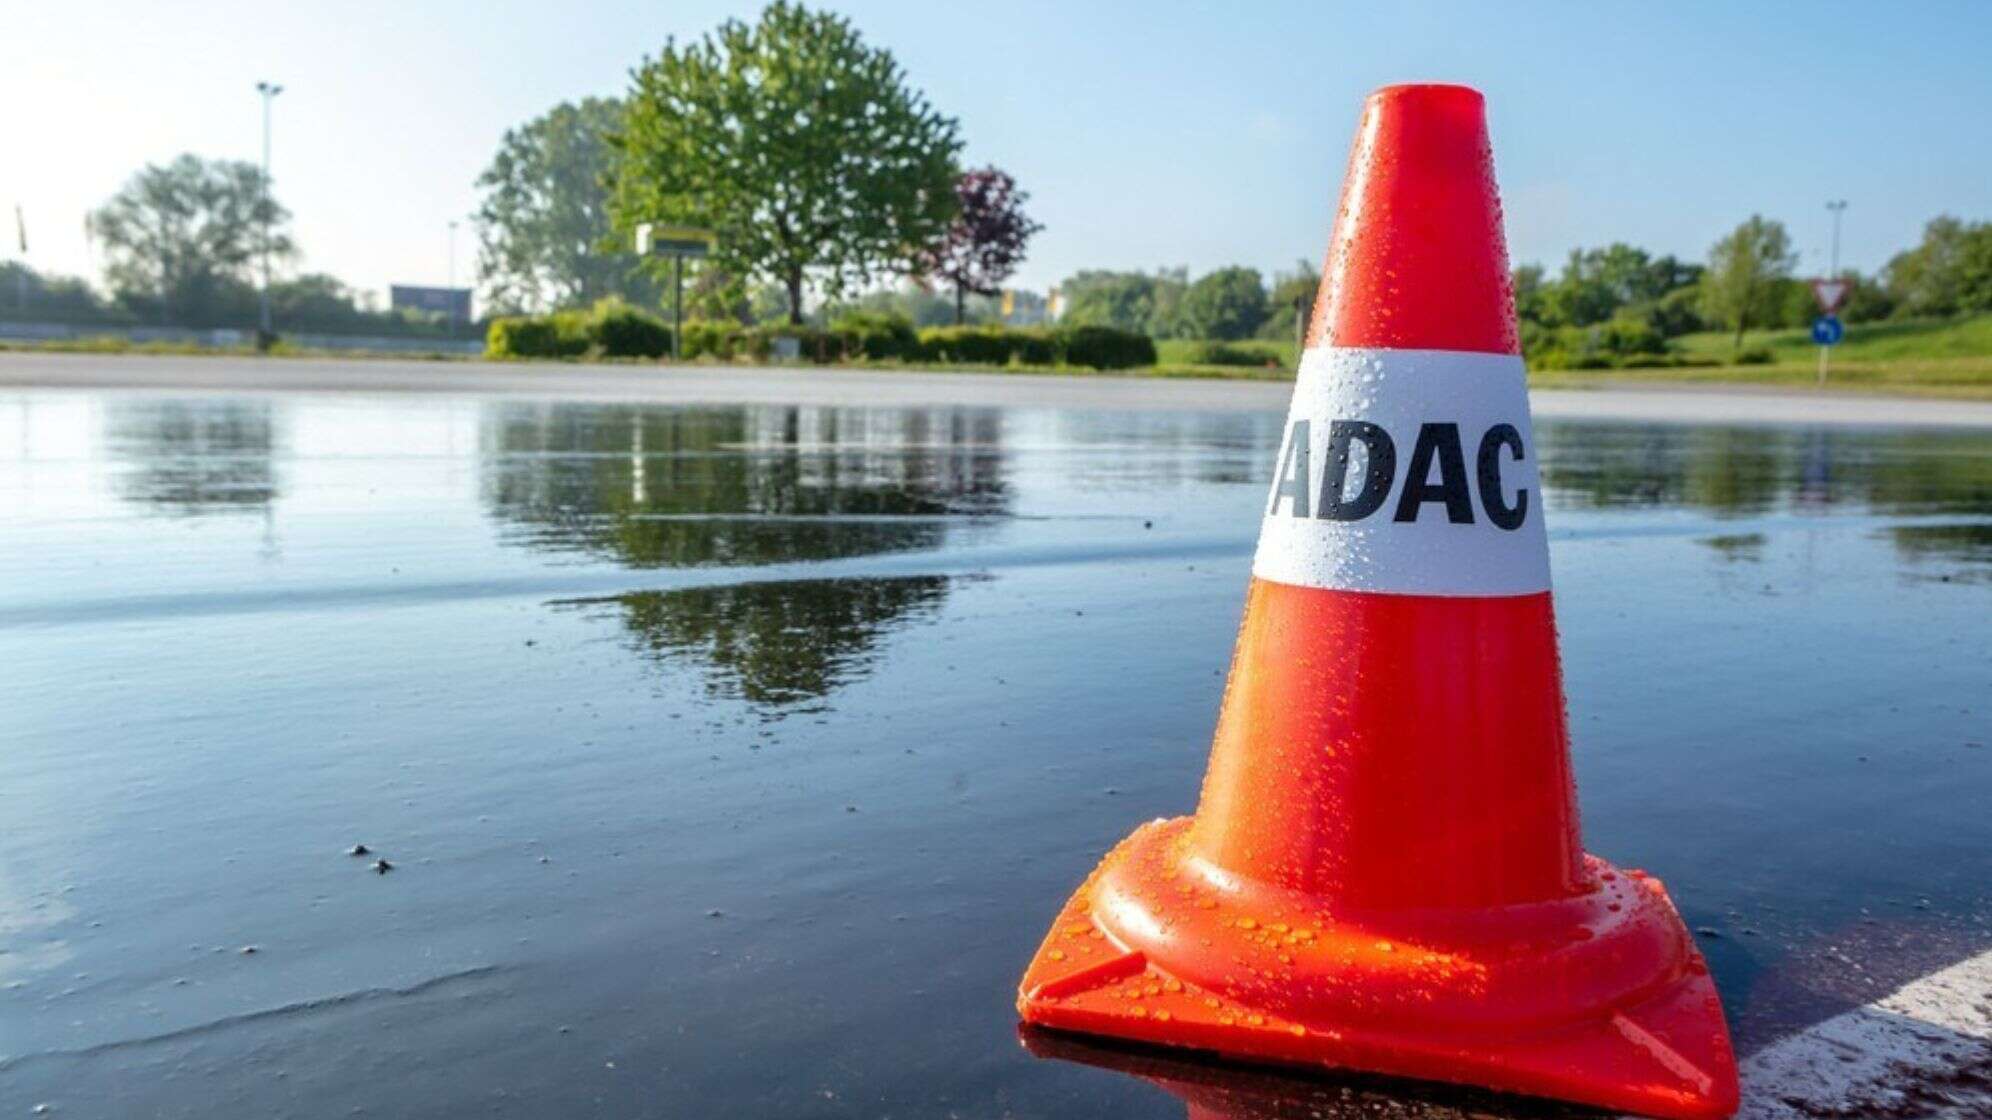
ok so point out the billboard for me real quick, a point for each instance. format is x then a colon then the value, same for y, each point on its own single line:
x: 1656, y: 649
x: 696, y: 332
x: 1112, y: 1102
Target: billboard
x: 453, y: 303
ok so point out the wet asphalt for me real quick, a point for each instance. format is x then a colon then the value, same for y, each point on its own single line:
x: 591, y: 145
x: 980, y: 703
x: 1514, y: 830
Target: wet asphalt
x: 730, y: 758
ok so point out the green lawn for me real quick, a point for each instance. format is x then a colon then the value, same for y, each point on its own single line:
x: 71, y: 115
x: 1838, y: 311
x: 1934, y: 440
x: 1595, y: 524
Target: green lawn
x: 1938, y: 357
x: 1943, y: 357
x: 1914, y: 339
x: 1966, y: 378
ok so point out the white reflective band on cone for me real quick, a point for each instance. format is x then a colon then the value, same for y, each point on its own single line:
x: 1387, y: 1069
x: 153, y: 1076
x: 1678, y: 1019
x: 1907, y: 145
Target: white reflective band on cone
x: 1469, y: 525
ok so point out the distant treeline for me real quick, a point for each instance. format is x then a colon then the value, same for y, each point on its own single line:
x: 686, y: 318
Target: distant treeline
x: 314, y: 303
x: 1613, y: 305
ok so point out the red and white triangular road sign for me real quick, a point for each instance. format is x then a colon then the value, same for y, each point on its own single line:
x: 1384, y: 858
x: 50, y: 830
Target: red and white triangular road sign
x: 1831, y: 293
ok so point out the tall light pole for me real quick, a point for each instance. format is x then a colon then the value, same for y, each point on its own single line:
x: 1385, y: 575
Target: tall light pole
x: 1837, y: 207
x: 269, y: 91
x: 21, y: 277
x: 451, y: 289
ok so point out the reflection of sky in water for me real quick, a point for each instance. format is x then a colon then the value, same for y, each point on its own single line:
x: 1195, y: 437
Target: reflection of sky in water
x: 532, y: 651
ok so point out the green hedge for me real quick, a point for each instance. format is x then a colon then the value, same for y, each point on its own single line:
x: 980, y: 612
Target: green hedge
x: 711, y: 338
x: 813, y: 344
x: 1253, y: 353
x: 1036, y: 348
x: 1106, y: 348
x: 973, y: 345
x: 726, y: 341
x: 1097, y: 347
x: 624, y: 332
x: 611, y: 329
x: 876, y: 337
x: 1621, y: 342
x: 616, y: 330
x: 535, y: 336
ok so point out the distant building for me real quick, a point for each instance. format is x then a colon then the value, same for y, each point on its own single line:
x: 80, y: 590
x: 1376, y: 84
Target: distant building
x: 453, y: 303
x: 1024, y: 308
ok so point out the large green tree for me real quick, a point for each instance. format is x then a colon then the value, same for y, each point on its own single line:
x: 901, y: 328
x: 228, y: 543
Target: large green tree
x: 544, y: 219
x: 1130, y: 301
x: 1948, y: 272
x: 181, y: 238
x: 1291, y: 303
x: 985, y: 242
x: 1229, y: 303
x: 922, y: 306
x: 1099, y: 298
x: 1599, y: 284
x: 1741, y: 285
x: 800, y: 145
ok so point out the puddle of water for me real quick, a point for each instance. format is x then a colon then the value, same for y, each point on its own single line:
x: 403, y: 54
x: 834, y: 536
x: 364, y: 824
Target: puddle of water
x: 733, y: 759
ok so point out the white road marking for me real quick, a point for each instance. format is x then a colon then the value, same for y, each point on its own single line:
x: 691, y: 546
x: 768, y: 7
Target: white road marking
x: 1925, y: 1051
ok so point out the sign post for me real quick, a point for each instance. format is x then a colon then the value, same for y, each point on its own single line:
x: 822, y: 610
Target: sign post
x: 1827, y: 330
x: 676, y: 242
x: 1831, y: 291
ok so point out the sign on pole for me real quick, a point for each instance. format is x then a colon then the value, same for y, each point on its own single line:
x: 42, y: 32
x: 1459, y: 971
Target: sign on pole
x: 678, y: 243
x: 1827, y: 330
x: 673, y: 241
x: 1831, y: 293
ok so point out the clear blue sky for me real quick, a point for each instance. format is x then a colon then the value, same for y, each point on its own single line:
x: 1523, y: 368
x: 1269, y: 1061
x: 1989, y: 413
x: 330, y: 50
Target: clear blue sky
x: 1149, y: 134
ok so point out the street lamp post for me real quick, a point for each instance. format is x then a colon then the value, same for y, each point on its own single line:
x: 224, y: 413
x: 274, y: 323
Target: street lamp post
x: 451, y: 289
x: 21, y: 277
x: 1837, y: 207
x: 269, y: 91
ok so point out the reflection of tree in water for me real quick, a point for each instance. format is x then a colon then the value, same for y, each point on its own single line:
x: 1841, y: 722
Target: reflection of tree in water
x: 192, y: 458
x: 1723, y: 470
x: 1737, y: 547
x: 1964, y: 551
x: 1735, y: 471
x: 1933, y: 473
x: 659, y: 487
x: 777, y: 644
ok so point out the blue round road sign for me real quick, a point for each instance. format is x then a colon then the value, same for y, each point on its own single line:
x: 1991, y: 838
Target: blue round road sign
x: 1826, y: 330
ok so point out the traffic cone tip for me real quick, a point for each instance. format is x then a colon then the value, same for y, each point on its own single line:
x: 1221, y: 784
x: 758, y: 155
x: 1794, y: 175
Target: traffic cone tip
x: 1417, y: 260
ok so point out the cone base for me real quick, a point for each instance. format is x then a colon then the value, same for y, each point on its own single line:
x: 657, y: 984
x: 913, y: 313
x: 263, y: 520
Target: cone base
x: 1218, y: 1088
x: 1149, y: 952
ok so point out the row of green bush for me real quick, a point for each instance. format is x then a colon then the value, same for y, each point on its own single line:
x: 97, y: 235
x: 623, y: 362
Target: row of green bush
x: 611, y: 329
x: 1624, y: 342
x: 1245, y: 352
x: 869, y: 336
x: 615, y: 330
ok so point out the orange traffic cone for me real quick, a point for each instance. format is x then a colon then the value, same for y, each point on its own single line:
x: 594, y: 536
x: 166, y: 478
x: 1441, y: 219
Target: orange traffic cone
x: 1384, y: 872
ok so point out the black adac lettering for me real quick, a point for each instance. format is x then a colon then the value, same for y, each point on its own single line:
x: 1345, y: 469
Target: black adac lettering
x: 1491, y: 498
x: 1438, y: 441
x: 1380, y: 466
x: 1290, y: 480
